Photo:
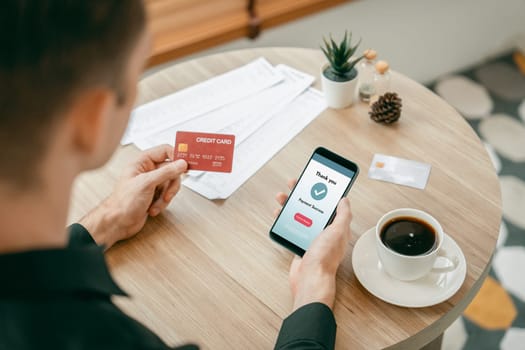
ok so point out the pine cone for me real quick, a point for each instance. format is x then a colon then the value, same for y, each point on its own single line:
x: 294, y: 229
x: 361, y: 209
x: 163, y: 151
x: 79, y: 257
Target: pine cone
x: 387, y: 109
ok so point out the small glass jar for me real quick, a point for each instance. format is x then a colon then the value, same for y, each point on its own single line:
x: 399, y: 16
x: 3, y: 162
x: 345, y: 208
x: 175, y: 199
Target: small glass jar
x: 382, y: 78
x: 366, y: 75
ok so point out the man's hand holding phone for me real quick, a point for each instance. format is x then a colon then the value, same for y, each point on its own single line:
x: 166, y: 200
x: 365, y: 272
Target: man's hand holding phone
x: 312, y: 277
x: 311, y: 205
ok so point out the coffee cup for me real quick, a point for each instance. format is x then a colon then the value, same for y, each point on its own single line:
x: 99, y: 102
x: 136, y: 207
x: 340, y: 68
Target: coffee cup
x: 409, y: 243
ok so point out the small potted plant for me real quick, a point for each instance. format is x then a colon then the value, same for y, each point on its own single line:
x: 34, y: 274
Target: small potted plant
x: 339, y: 75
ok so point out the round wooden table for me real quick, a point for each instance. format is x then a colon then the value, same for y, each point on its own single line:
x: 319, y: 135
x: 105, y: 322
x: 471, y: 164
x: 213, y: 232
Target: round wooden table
x: 207, y: 272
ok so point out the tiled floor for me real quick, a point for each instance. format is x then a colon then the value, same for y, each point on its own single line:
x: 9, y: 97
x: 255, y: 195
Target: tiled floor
x: 491, y: 97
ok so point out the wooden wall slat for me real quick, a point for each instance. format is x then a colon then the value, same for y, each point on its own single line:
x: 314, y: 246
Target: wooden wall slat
x: 182, y: 27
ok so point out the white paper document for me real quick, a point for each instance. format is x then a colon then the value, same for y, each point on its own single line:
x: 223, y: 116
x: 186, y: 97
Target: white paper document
x: 243, y: 117
x: 261, y: 146
x: 262, y: 105
x: 399, y: 171
x: 199, y: 99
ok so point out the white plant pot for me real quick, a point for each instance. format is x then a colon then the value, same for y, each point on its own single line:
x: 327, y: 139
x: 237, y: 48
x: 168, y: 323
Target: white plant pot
x: 338, y: 94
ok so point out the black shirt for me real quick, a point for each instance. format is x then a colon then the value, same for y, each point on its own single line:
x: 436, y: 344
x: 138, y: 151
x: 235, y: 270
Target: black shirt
x: 60, y: 299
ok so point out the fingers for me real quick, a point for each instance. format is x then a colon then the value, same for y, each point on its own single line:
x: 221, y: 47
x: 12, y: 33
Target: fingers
x: 158, y: 204
x: 291, y: 183
x: 281, y: 198
x: 169, y: 172
x: 165, y: 192
x: 149, y: 160
x: 342, y: 220
x: 343, y: 215
x: 156, y: 208
x: 294, y: 270
x: 159, y: 153
x: 171, y: 190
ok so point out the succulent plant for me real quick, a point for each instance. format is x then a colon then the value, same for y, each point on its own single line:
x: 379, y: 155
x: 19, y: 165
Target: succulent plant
x: 340, y: 68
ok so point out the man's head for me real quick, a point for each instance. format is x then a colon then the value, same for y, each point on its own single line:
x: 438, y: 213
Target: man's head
x: 58, y: 58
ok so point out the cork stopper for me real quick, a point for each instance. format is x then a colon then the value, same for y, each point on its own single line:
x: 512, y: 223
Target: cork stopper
x: 370, y: 54
x: 382, y: 67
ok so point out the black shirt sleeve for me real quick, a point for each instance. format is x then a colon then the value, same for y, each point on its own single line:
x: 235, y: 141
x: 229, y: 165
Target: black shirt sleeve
x: 310, y: 327
x: 79, y: 236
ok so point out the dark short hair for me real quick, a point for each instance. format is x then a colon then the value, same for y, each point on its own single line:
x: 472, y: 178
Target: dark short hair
x: 49, y: 51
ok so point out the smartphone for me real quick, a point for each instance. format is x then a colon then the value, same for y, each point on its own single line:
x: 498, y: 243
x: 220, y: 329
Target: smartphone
x: 311, y: 206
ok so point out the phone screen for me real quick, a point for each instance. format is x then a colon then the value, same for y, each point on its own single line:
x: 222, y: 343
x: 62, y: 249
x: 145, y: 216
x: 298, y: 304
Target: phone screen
x: 311, y: 205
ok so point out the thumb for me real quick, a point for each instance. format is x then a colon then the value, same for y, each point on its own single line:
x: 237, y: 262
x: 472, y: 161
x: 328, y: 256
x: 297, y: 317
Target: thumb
x: 294, y: 270
x: 343, y: 215
x: 170, y: 171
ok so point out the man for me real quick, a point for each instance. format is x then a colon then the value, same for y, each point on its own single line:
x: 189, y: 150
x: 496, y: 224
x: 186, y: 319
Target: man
x: 68, y: 76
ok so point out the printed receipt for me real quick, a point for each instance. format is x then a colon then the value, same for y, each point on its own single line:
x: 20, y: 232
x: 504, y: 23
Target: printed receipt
x: 249, y: 156
x: 243, y: 117
x: 271, y: 114
x: 199, y: 99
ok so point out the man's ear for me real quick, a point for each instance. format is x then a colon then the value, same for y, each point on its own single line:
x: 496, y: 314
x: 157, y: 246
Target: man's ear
x: 89, y: 114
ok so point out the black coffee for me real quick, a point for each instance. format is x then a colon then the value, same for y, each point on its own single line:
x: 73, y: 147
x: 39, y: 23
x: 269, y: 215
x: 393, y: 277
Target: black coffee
x: 409, y: 236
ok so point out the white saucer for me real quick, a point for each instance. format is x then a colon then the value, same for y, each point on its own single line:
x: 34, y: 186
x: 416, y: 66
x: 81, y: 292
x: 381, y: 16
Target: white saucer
x: 426, y: 291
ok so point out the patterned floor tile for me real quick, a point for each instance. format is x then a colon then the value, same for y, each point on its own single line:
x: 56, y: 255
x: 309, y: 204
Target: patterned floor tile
x: 519, y: 60
x: 482, y: 339
x: 506, y: 135
x: 502, y: 79
x: 513, y: 339
x: 509, y: 264
x: 519, y: 321
x: 515, y: 236
x: 467, y: 96
x: 513, y: 200
x: 496, y: 162
x: 455, y: 336
x: 521, y: 110
x: 503, y: 234
x: 492, y: 309
x: 503, y: 84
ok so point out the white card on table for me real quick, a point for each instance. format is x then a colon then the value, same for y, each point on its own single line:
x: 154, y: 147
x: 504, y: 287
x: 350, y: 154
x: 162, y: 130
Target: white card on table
x: 399, y: 171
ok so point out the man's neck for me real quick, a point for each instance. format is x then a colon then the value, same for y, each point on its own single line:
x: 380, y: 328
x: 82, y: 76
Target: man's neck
x: 33, y: 219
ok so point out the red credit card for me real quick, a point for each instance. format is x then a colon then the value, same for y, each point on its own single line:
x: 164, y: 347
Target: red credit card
x: 205, y: 151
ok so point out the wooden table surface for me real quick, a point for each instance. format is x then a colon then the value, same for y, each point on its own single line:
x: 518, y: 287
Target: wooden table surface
x: 207, y: 272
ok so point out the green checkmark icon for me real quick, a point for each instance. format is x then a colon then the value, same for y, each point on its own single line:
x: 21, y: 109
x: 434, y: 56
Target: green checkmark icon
x: 319, y: 191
